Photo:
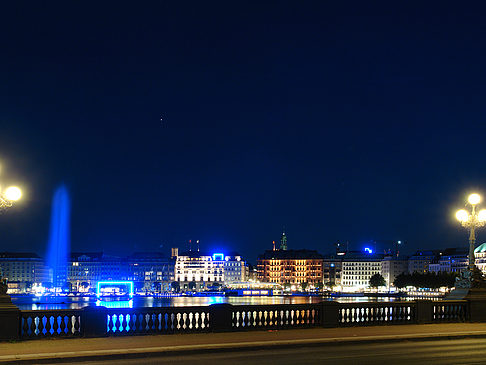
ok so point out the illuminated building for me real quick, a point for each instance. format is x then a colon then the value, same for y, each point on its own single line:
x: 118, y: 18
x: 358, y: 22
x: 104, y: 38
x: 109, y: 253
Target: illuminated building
x: 332, y: 270
x: 150, y: 271
x: 450, y: 260
x: 480, y: 256
x: 195, y: 270
x: 392, y: 266
x: 86, y: 269
x: 290, y: 267
x: 235, y: 269
x: 23, y: 270
x: 420, y: 261
x: 358, y: 267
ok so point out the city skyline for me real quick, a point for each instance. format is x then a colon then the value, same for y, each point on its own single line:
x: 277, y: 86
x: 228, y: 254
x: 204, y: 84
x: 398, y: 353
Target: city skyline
x: 224, y: 124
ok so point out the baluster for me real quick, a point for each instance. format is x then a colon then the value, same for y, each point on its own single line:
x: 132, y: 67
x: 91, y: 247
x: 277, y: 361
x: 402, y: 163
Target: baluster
x: 69, y: 324
x: 48, y: 325
x: 163, y: 323
x: 197, y: 319
x: 158, y: 317
x: 111, y: 324
x: 206, y: 319
x: 55, y: 325
x: 25, y: 327
x: 62, y: 326
x: 77, y: 325
x: 150, y: 322
x: 123, y: 323
x: 144, y: 322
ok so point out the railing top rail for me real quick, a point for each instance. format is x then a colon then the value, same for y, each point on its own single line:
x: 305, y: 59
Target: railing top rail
x: 51, y: 311
x: 378, y: 304
x: 202, y: 308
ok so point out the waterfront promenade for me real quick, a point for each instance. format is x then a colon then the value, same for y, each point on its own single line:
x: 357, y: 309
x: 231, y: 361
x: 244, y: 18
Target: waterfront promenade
x: 111, y: 348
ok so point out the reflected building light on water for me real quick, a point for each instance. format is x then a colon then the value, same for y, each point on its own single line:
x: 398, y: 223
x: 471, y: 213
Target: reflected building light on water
x: 115, y: 303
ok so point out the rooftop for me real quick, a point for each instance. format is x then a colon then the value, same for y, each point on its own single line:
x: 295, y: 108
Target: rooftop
x: 290, y: 254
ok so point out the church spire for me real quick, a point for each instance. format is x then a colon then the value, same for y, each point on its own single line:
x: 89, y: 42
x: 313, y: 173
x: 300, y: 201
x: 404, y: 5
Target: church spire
x: 283, y: 241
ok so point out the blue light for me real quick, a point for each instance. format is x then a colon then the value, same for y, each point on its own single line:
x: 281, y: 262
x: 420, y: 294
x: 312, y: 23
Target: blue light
x: 115, y: 303
x: 218, y: 256
x: 332, y: 265
x: 369, y: 250
x: 108, y: 283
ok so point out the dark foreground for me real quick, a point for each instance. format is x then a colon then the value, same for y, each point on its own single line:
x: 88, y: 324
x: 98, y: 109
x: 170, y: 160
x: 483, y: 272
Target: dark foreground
x: 458, y: 351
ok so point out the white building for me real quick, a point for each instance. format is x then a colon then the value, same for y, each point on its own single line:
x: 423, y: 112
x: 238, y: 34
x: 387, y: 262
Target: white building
x: 391, y: 267
x: 358, y: 268
x: 196, y: 270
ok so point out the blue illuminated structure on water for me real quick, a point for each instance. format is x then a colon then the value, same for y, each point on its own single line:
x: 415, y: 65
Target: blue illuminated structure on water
x: 100, y: 284
x: 59, y: 237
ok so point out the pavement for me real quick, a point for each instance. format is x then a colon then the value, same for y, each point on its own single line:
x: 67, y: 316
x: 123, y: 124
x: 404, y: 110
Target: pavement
x: 94, y: 349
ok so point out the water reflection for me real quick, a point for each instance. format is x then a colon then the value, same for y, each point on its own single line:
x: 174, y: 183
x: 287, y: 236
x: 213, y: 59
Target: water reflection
x: 115, y: 303
x: 44, y: 303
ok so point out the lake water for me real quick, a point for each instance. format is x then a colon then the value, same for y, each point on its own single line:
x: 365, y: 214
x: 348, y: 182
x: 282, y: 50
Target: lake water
x: 42, y: 303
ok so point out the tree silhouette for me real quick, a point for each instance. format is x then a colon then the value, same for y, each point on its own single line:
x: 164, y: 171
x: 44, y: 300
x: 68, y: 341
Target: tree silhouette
x: 377, y: 280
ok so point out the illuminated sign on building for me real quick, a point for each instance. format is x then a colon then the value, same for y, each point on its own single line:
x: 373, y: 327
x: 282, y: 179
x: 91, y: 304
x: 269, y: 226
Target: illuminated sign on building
x: 218, y: 256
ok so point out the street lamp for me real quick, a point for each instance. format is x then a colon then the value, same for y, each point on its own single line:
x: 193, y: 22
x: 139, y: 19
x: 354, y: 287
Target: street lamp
x: 9, y: 196
x: 471, y: 221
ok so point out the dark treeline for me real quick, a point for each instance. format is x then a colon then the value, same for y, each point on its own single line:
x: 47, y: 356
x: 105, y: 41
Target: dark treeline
x: 427, y: 280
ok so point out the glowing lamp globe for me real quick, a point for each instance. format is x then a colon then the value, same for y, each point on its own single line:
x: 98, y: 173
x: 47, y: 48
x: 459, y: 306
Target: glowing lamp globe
x: 462, y: 215
x: 474, y: 199
x: 12, y: 193
x: 482, y: 215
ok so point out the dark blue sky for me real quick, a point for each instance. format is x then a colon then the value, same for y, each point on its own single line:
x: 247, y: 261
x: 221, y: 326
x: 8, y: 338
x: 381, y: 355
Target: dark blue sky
x: 347, y: 123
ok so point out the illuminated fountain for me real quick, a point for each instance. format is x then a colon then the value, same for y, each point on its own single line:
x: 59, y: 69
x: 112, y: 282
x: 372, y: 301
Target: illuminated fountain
x: 59, y: 237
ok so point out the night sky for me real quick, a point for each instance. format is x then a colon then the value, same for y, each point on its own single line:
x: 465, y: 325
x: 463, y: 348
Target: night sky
x: 342, y: 123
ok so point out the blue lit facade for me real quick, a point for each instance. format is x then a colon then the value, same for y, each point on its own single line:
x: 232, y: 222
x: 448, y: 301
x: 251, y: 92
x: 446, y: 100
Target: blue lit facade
x: 85, y: 270
x: 150, y: 271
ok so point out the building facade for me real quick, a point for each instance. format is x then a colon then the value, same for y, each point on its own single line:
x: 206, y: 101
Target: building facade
x: 420, y: 261
x: 357, y: 269
x: 391, y: 267
x: 195, y: 270
x: 150, y: 271
x: 84, y: 270
x: 235, y: 270
x: 332, y: 271
x: 290, y: 267
x: 23, y: 270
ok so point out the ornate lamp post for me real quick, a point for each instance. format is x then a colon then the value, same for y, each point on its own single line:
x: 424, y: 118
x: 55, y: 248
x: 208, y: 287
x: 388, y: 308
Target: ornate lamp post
x: 7, y: 198
x: 472, y: 220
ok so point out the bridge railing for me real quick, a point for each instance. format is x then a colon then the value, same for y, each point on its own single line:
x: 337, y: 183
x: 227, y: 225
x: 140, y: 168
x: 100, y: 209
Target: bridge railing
x: 50, y: 323
x: 157, y: 320
x: 101, y: 321
x: 280, y: 316
x: 359, y: 314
